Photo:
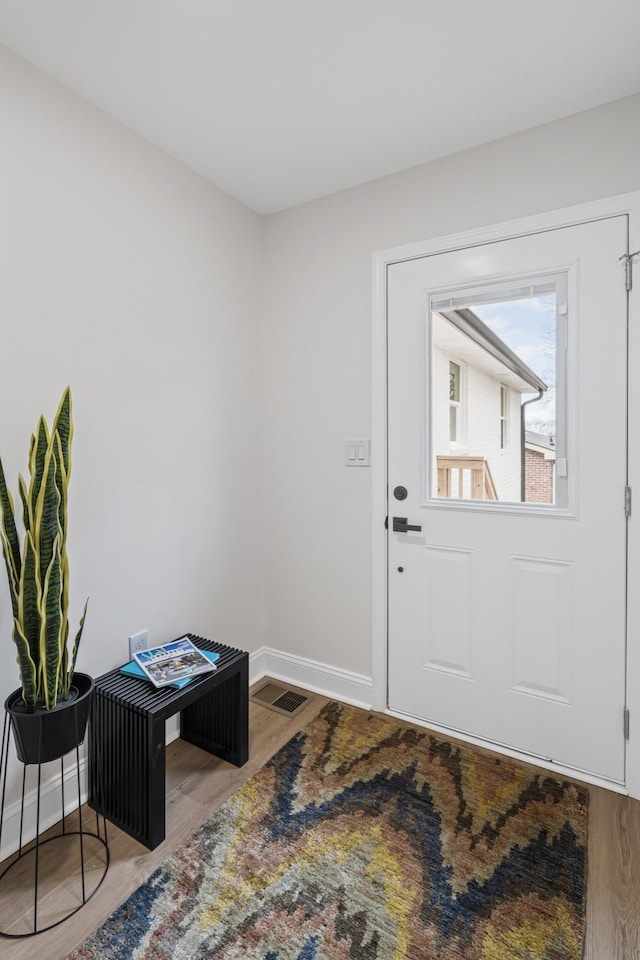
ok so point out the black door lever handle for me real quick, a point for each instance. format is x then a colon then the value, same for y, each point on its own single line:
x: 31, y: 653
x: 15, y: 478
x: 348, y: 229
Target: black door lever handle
x: 400, y: 525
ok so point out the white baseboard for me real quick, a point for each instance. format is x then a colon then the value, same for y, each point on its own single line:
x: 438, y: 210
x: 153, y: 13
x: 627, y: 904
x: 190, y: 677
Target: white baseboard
x: 344, y: 685
x: 50, y: 806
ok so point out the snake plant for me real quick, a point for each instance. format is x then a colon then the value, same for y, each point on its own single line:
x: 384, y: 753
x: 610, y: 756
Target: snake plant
x: 39, y: 572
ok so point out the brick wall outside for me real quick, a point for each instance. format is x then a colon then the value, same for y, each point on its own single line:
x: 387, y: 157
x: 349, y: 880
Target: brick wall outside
x: 538, y: 477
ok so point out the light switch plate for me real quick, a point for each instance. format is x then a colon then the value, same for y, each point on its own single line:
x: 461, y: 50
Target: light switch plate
x: 357, y: 452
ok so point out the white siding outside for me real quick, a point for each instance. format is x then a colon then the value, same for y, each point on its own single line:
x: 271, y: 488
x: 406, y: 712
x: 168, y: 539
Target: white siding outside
x: 479, y: 433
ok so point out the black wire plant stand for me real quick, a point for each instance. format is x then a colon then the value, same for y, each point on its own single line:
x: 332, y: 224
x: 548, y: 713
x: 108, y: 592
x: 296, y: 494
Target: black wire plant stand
x: 91, y: 845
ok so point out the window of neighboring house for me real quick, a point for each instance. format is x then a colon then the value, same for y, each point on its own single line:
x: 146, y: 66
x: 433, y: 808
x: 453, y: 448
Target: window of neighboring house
x: 504, y: 399
x: 454, y: 402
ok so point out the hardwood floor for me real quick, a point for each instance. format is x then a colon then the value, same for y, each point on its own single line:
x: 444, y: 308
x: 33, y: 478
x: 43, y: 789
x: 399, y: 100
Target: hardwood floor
x: 197, y: 784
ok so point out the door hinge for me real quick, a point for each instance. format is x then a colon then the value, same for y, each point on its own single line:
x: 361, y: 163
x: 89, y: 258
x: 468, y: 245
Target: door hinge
x: 625, y: 722
x: 627, y: 501
x: 628, y: 267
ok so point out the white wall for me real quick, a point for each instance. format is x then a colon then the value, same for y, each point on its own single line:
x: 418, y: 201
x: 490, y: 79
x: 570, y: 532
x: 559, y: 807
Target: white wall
x: 135, y: 281
x: 317, y: 349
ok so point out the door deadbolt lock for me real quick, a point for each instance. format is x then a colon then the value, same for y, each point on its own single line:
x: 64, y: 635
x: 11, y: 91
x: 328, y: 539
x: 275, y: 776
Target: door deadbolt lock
x: 400, y: 493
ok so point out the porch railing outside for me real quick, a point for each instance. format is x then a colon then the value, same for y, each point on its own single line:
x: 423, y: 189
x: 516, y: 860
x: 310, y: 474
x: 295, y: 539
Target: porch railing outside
x: 466, y: 478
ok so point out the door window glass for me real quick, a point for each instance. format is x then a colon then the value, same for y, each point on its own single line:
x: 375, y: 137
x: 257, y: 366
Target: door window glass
x: 501, y: 344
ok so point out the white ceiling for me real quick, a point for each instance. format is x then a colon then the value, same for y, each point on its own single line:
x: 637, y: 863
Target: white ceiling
x: 283, y: 101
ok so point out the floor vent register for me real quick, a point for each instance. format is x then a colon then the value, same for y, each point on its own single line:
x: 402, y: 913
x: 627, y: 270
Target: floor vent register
x: 279, y: 699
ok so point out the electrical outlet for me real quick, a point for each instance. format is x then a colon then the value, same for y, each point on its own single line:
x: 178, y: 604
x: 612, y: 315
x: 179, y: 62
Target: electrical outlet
x: 138, y: 642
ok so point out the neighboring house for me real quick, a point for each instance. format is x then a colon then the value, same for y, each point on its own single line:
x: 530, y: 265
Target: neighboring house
x: 478, y: 388
x: 539, y: 467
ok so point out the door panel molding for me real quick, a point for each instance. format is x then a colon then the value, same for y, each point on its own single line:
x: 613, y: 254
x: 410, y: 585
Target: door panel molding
x: 627, y: 204
x: 447, y: 587
x: 541, y: 660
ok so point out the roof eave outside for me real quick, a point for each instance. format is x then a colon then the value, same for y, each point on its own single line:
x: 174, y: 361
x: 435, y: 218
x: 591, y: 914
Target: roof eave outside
x: 472, y: 326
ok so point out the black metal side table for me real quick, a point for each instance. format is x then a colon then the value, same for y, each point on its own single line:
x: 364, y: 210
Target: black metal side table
x: 127, y: 736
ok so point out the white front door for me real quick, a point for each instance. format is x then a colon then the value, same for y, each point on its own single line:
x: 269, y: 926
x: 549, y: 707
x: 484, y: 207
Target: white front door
x: 507, y: 442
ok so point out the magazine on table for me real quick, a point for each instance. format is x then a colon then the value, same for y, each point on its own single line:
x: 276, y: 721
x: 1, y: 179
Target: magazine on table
x: 173, y: 662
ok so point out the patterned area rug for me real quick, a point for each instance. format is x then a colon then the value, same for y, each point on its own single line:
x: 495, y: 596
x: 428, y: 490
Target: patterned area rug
x: 366, y: 840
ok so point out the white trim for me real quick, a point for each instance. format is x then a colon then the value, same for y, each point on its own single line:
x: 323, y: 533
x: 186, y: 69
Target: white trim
x: 633, y: 570
x: 539, y: 223
x: 353, y: 688
x: 379, y: 503
x: 625, y: 204
x: 50, y: 801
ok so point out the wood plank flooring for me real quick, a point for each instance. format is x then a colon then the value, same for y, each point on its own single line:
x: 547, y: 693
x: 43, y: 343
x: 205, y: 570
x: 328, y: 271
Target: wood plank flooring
x: 197, y: 784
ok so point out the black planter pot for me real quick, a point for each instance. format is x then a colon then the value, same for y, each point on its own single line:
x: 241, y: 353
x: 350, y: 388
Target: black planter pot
x: 46, y: 735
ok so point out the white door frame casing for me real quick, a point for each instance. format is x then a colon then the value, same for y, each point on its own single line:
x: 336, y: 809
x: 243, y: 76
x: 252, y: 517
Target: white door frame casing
x: 627, y: 204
